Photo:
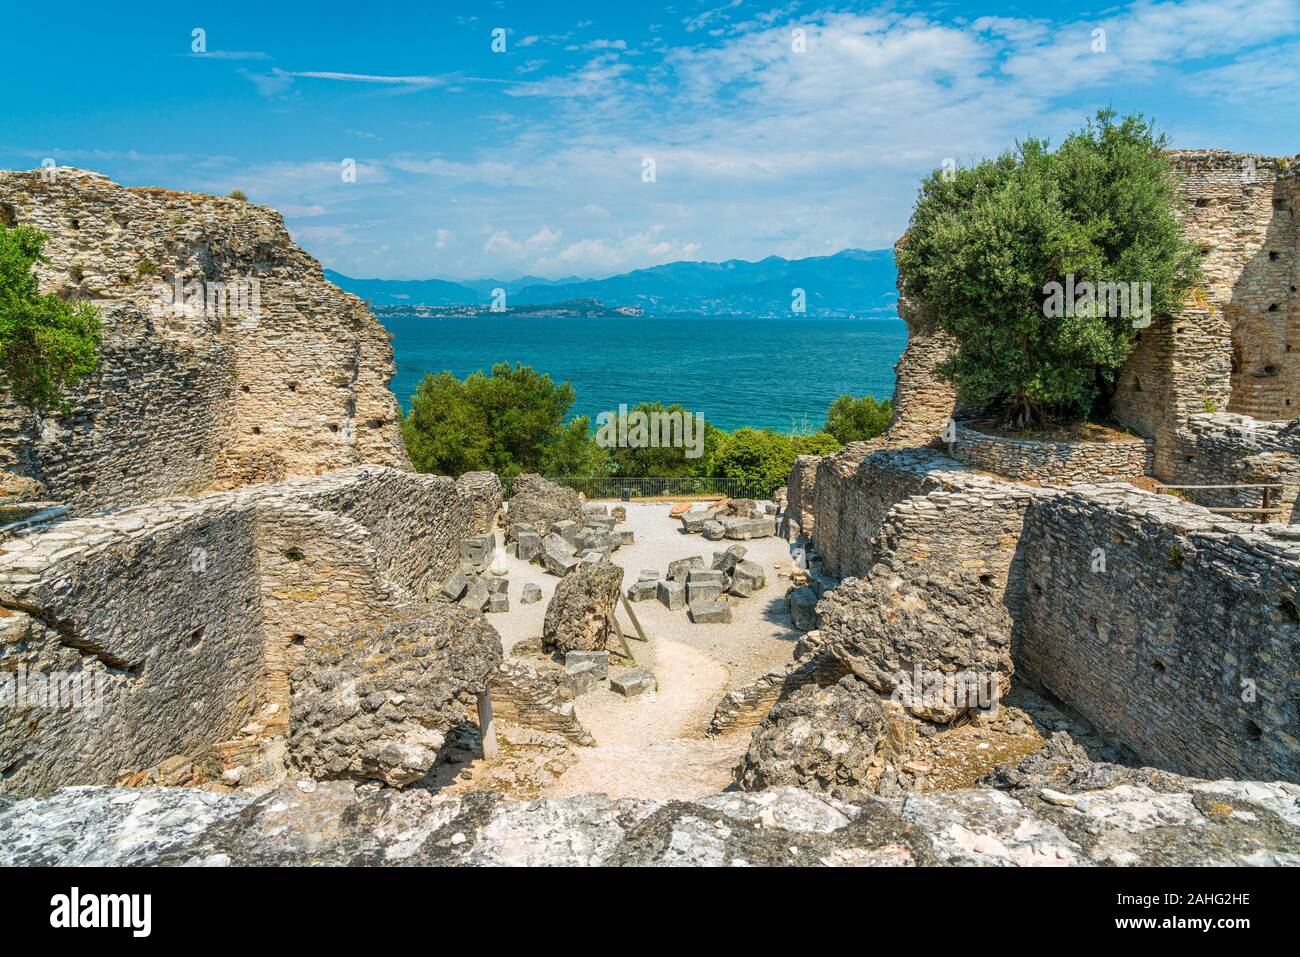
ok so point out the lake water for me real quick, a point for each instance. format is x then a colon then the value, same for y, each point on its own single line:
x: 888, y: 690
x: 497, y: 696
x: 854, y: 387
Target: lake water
x: 767, y: 373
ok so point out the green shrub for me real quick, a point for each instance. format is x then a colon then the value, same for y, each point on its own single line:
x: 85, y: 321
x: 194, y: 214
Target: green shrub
x: 856, y: 420
x: 984, y: 243
x: 762, y: 460
x: 46, y: 344
x: 238, y: 194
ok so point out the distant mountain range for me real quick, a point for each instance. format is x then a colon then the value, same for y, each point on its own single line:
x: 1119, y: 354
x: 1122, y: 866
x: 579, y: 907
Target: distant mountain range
x: 851, y: 282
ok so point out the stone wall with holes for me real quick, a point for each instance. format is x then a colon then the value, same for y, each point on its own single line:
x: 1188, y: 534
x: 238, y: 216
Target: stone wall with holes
x: 800, y: 514
x: 1057, y: 462
x: 1226, y: 448
x: 1183, y: 645
x: 1232, y: 346
x: 291, y: 380
x: 189, y: 612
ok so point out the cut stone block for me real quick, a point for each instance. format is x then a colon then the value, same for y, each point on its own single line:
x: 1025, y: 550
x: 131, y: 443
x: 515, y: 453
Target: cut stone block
x: 498, y: 586
x: 557, y: 555
x: 746, y: 578
x: 599, y: 659
x: 532, y: 594
x: 713, y: 531
x: 713, y: 612
x: 647, y: 575
x: 707, y: 575
x: 632, y: 683
x: 528, y: 545
x: 568, y: 530
x: 693, y: 522
x: 745, y: 528
x: 672, y: 594
x: 454, y: 586
x: 642, y: 590
x: 679, y: 569
x: 476, y: 596
x: 498, y: 601
x: 623, y: 536
x: 580, y: 678
x: 803, y: 608
x: 702, y: 591
x: 593, y: 510
x: 618, y: 513
x: 726, y: 561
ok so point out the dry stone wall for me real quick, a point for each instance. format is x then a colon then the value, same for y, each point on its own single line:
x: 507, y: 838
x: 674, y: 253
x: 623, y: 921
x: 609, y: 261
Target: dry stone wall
x: 291, y: 379
x: 189, y: 614
x: 1171, y: 631
x: 1057, y: 462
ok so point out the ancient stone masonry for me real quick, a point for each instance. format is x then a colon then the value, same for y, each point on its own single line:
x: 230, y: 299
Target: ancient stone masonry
x: 1172, y: 631
x: 1051, y: 461
x: 923, y: 401
x: 1231, y: 346
x: 1226, y: 448
x: 1101, y: 815
x: 264, y: 371
x: 189, y: 614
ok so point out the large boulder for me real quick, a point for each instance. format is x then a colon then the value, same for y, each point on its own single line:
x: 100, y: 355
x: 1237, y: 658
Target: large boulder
x: 377, y: 702
x: 577, y: 618
x: 895, y: 633
x: 840, y: 738
x: 540, y: 503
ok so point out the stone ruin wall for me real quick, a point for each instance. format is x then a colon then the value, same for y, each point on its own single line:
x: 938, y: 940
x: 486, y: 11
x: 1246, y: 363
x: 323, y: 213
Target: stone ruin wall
x: 1210, y: 599
x: 1231, y: 346
x: 1164, y: 650
x: 188, y: 403
x: 195, y: 611
x: 1052, y: 461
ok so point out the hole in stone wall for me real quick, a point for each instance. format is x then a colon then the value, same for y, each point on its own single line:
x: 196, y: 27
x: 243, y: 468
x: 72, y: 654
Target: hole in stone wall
x: 293, y: 387
x: 1253, y: 731
x: 1038, y: 589
x: 76, y: 224
x: 333, y: 427
x: 1270, y: 370
x: 1137, y: 384
x: 244, y: 388
x: 1204, y: 201
x: 1287, y: 605
x: 1272, y: 307
x: 1158, y: 665
x: 1272, y: 255
x: 299, y: 640
x: 293, y: 555
x: 257, y: 430
x: 194, y: 638
x: 987, y: 581
x: 1189, y: 458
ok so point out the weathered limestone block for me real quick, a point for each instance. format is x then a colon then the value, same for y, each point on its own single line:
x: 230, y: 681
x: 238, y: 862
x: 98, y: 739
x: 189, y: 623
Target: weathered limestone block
x: 888, y: 629
x: 840, y: 738
x: 679, y: 569
x: 803, y: 608
x: 577, y: 618
x: 710, y: 611
x: 635, y: 682
x: 541, y: 503
x: 378, y: 703
x: 672, y: 594
x: 747, y: 578
x: 693, y: 522
x: 270, y: 372
x: 532, y: 594
x: 746, y: 528
x: 557, y: 555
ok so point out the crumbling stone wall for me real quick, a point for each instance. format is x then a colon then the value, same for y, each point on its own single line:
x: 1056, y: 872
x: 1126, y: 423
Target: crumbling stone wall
x: 1171, y: 631
x: 190, y: 400
x: 1226, y: 448
x: 1057, y: 462
x: 194, y: 611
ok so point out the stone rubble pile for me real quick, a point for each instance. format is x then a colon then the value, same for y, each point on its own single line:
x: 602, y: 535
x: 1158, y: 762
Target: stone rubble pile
x: 476, y: 584
x: 563, y: 545
x: 707, y: 592
x: 733, y: 518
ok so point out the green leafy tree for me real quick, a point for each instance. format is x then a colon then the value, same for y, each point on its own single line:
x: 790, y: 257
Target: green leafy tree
x: 574, y: 452
x: 985, y: 243
x: 666, y: 461
x: 508, y: 421
x: 762, y: 460
x: 856, y: 420
x: 46, y: 344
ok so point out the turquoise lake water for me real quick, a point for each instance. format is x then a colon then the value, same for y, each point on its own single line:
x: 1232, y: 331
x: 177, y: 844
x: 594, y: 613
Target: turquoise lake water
x: 767, y: 373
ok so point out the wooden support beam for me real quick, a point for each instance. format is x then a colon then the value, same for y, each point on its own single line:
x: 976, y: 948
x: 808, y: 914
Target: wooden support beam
x: 627, y: 649
x: 487, y: 727
x: 636, y: 622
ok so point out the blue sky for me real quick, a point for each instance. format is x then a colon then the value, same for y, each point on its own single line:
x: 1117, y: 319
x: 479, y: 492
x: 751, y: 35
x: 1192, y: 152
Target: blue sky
x: 477, y: 163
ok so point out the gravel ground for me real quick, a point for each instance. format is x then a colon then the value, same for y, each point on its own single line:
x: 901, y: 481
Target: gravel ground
x: 654, y: 746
